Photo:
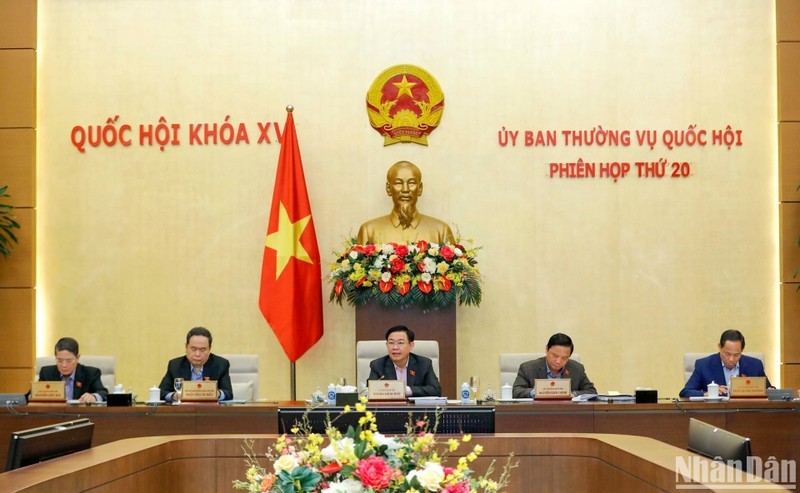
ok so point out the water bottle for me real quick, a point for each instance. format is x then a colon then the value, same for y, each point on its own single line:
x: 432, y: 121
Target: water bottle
x: 331, y: 395
x: 465, y: 393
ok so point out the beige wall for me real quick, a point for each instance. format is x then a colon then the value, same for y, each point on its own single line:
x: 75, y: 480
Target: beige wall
x: 137, y: 245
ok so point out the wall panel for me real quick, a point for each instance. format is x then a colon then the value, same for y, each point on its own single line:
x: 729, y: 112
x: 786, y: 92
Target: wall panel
x: 19, y: 269
x: 788, y: 77
x: 18, y: 155
x: 18, y: 88
x: 19, y: 28
x: 18, y: 342
x: 788, y: 20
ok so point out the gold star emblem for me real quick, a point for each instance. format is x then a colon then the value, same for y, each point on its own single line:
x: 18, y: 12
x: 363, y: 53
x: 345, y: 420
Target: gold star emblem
x: 404, y: 87
x: 286, y: 240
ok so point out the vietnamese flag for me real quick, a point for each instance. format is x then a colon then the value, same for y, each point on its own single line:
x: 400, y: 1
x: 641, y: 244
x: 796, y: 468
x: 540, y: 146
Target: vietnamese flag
x: 291, y: 280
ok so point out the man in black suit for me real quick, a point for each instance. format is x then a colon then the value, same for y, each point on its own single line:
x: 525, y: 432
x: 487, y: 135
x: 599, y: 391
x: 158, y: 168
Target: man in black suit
x: 198, y: 364
x: 401, y: 364
x: 555, y: 364
x: 83, y: 382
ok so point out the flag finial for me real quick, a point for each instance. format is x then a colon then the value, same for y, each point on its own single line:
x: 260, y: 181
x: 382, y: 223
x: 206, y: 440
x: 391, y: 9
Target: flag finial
x: 289, y: 108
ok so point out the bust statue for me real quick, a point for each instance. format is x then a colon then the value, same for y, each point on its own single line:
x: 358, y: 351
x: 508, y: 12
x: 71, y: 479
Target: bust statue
x: 404, y: 224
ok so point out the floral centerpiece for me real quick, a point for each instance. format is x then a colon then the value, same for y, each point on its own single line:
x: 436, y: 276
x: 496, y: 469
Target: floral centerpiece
x: 424, y: 274
x: 362, y: 460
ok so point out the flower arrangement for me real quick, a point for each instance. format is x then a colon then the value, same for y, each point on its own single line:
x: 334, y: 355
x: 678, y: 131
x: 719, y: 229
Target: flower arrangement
x: 362, y: 460
x: 423, y: 274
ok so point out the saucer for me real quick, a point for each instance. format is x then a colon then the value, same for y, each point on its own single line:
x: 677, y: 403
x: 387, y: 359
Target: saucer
x: 153, y: 403
x: 713, y: 399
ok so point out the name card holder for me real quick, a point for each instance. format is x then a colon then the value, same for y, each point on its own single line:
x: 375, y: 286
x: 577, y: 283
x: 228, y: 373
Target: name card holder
x: 552, y: 388
x: 199, y: 391
x: 386, y: 390
x: 45, y: 391
x: 747, y: 387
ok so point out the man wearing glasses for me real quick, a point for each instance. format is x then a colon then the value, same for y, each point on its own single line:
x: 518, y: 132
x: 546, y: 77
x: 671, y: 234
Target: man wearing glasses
x: 720, y: 367
x: 198, y: 364
x: 401, y: 364
x: 82, y: 382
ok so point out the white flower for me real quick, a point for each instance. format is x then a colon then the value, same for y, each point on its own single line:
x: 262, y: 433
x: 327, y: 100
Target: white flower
x: 353, y: 255
x: 425, y: 277
x: 380, y: 261
x: 285, y: 463
x: 457, y: 251
x: 387, y: 249
x: 386, y: 276
x: 390, y: 442
x: 349, y: 485
x: 433, y: 251
x: 429, y: 478
x: 429, y: 265
x: 340, y: 451
x: 345, y: 265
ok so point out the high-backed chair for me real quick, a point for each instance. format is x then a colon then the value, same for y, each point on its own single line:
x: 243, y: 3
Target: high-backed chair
x: 244, y: 375
x: 106, y: 364
x: 509, y: 364
x: 690, y: 358
x: 367, y: 351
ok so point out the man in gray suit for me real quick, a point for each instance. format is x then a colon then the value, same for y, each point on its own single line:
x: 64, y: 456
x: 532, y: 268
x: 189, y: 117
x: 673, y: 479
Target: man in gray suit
x: 555, y: 364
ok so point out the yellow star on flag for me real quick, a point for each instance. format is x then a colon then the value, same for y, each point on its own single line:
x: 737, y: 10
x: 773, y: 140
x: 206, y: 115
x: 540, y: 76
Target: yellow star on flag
x: 404, y: 87
x: 286, y: 241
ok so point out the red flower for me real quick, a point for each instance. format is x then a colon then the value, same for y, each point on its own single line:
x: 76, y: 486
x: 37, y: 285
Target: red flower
x: 397, y: 265
x: 330, y: 468
x: 369, y: 250
x: 460, y: 247
x: 374, y: 472
x: 357, y: 248
x: 425, y: 287
x: 361, y: 281
x: 444, y: 283
x: 421, y: 266
x: 386, y: 286
x: 447, y: 253
x: 462, y: 487
x: 404, y: 288
x: 422, y: 246
x: 338, y: 288
x: 401, y: 250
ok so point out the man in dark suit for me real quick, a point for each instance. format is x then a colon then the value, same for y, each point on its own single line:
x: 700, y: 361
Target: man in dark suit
x: 720, y: 367
x: 401, y: 364
x: 83, y: 382
x: 198, y: 364
x: 555, y: 364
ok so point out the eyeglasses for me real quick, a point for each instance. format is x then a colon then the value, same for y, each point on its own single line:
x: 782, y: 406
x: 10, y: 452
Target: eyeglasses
x: 398, y: 344
x: 67, y: 361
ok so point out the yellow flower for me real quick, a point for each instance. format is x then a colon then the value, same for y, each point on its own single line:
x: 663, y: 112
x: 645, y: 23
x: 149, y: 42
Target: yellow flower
x: 471, y: 456
x: 478, y: 449
x: 453, y: 444
x: 346, y: 409
x: 466, y: 438
x: 360, y: 407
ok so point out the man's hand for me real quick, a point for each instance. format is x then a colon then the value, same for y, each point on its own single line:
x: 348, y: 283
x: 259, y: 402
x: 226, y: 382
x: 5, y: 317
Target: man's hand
x: 87, y: 398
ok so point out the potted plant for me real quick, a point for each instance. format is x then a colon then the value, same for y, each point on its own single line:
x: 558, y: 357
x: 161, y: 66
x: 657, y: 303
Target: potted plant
x: 7, y: 225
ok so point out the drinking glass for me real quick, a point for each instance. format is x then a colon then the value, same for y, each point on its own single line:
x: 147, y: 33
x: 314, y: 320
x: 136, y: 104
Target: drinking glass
x: 475, y: 384
x: 178, y: 386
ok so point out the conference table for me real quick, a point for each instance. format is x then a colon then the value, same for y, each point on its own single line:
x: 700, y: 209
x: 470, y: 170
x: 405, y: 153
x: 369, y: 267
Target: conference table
x: 772, y: 426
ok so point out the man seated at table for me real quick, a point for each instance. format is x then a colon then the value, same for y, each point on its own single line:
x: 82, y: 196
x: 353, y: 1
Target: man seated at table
x: 198, y: 364
x: 401, y: 364
x: 556, y: 363
x: 720, y: 367
x: 83, y: 382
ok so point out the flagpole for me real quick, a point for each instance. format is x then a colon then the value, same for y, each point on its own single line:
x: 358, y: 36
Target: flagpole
x: 293, y: 378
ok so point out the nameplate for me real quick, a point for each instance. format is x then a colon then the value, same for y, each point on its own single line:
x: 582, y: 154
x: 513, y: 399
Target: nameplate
x: 748, y: 387
x: 44, y: 391
x: 386, y: 390
x: 552, y: 388
x: 199, y: 391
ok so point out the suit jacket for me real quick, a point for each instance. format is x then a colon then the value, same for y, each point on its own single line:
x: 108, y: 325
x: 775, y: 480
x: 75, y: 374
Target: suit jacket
x: 87, y: 379
x: 537, y: 368
x: 710, y: 368
x: 419, y: 375
x: 216, y: 368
